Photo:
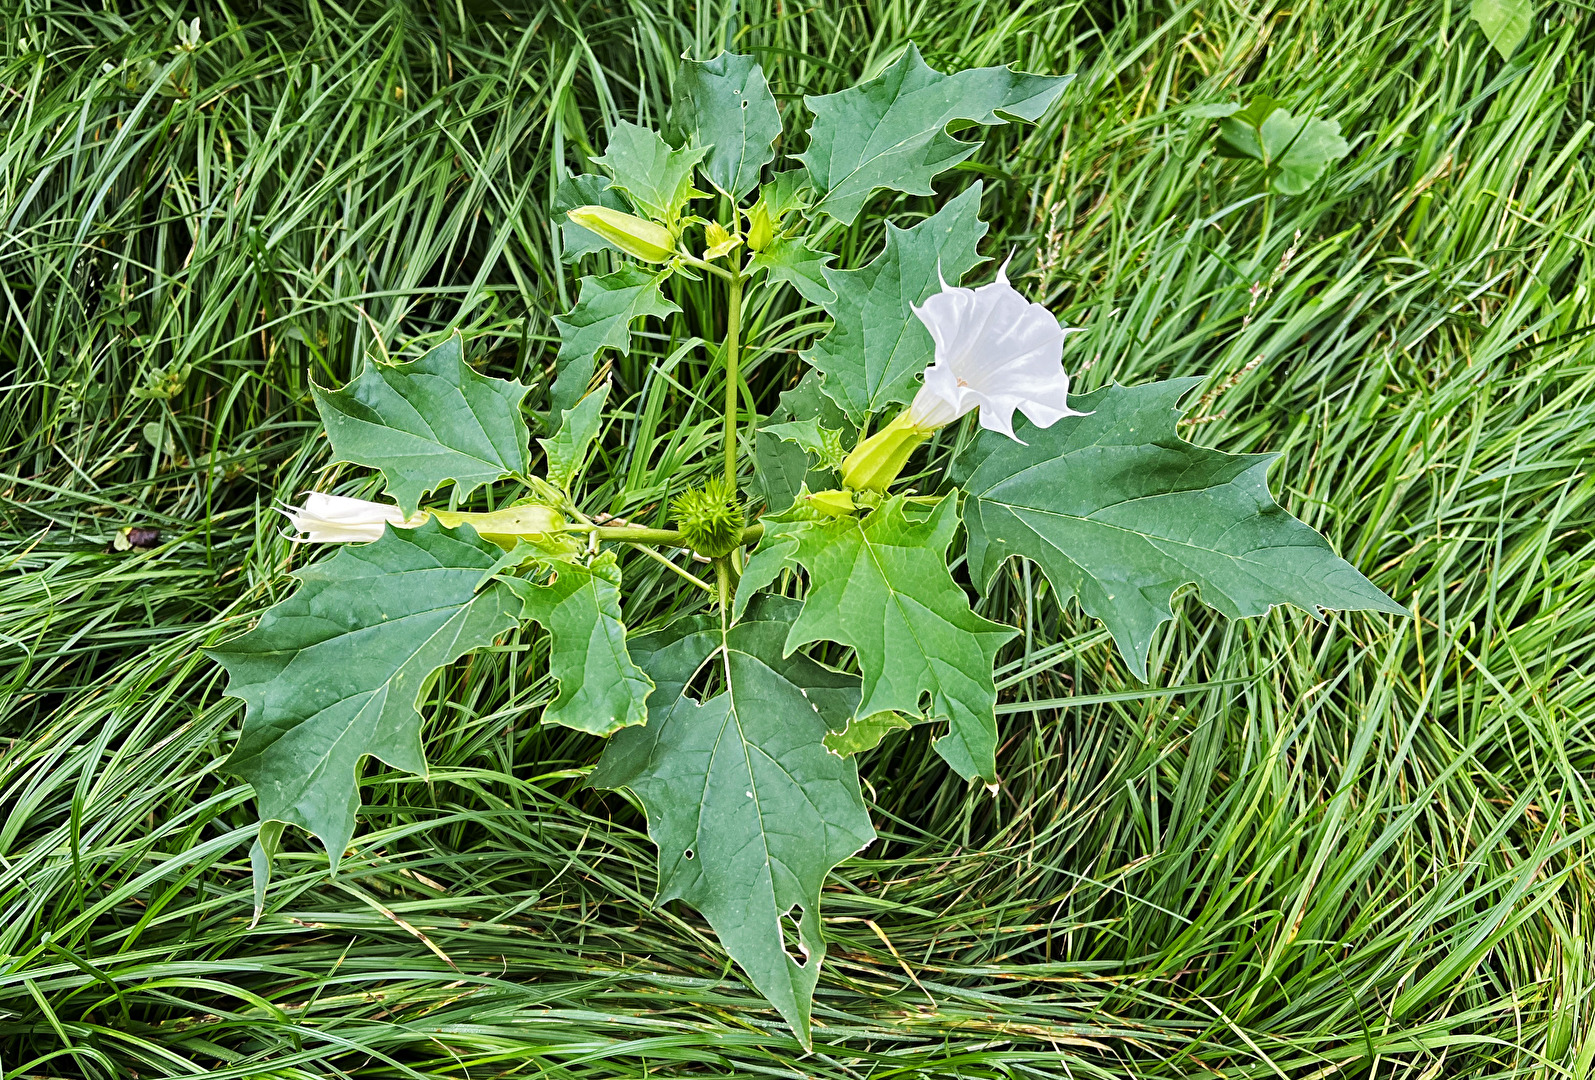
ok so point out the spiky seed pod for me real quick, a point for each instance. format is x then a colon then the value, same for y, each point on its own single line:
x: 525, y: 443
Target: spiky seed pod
x: 711, y: 518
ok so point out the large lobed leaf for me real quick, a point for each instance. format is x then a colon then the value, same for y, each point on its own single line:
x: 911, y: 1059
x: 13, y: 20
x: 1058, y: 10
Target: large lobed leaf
x: 333, y: 672
x: 605, y: 308
x: 726, y: 105
x: 880, y: 584
x: 1119, y: 511
x: 749, y: 809
x: 877, y: 348
x: 656, y: 177
x: 891, y: 132
x: 427, y: 422
x: 601, y: 689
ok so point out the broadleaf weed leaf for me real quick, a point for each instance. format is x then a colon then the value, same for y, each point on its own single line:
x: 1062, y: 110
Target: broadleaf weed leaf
x: 891, y: 132
x: 749, y: 809
x: 1121, y: 512
x: 726, y: 105
x: 427, y: 422
x: 333, y: 673
x: 605, y: 308
x: 877, y: 349
x: 881, y: 585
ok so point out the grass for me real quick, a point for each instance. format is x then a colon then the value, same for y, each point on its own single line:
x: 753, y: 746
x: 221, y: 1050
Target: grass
x: 1350, y: 849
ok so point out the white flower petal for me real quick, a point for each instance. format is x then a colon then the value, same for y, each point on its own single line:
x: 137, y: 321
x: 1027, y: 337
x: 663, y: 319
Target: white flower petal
x: 995, y: 351
x: 332, y: 519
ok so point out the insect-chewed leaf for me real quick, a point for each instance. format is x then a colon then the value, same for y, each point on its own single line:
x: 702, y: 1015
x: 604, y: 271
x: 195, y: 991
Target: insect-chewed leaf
x: 891, y: 132
x: 726, y: 105
x: 333, y: 672
x: 1119, y: 511
x: 586, y: 190
x: 881, y: 585
x: 427, y: 422
x: 865, y: 733
x: 877, y: 349
x: 748, y: 807
x: 605, y: 309
x: 600, y: 689
x: 643, y: 165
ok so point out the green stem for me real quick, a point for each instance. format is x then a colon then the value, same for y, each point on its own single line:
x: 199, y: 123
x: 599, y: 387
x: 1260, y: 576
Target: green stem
x: 698, y: 581
x: 722, y: 577
x: 701, y: 264
x: 732, y: 357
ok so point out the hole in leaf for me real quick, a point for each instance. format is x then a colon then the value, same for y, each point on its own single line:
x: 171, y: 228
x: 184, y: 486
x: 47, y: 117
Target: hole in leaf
x: 687, y: 854
x: 792, y: 938
x: 706, y: 682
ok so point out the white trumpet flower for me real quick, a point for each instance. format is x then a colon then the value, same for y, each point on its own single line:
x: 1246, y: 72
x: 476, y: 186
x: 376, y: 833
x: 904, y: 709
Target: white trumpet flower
x: 995, y: 351
x: 331, y: 519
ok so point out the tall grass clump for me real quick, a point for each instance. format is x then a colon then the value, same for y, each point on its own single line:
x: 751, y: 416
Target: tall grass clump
x: 1355, y: 848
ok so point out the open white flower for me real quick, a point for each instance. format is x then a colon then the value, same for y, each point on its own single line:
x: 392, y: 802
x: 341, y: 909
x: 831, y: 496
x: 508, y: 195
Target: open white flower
x: 330, y: 519
x: 995, y: 350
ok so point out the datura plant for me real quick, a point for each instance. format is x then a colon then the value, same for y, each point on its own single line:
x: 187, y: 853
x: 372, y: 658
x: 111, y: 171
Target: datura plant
x: 810, y: 536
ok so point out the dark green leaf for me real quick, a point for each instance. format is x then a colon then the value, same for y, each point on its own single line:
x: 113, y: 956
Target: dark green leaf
x: 600, y: 689
x: 333, y: 672
x: 877, y: 348
x: 605, y: 309
x: 657, y: 178
x: 1120, y: 512
x: 891, y: 132
x: 726, y: 105
x: 428, y: 422
x: 881, y: 586
x: 748, y: 807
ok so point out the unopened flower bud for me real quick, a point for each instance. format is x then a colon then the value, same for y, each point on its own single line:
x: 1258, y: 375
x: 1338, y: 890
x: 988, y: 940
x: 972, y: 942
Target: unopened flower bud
x: 833, y: 503
x: 645, y: 240
x: 720, y: 242
x: 761, y: 230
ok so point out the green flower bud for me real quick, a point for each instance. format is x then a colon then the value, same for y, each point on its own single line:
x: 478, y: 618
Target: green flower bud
x: 832, y: 503
x: 719, y: 240
x: 711, y: 518
x: 875, y: 462
x: 761, y: 230
x: 644, y: 240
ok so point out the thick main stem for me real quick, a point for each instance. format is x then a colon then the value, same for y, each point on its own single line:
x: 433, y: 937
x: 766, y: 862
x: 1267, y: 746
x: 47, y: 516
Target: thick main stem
x: 733, y: 349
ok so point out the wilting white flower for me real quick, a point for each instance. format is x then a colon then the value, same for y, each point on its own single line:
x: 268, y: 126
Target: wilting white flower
x: 330, y: 519
x: 995, y: 350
